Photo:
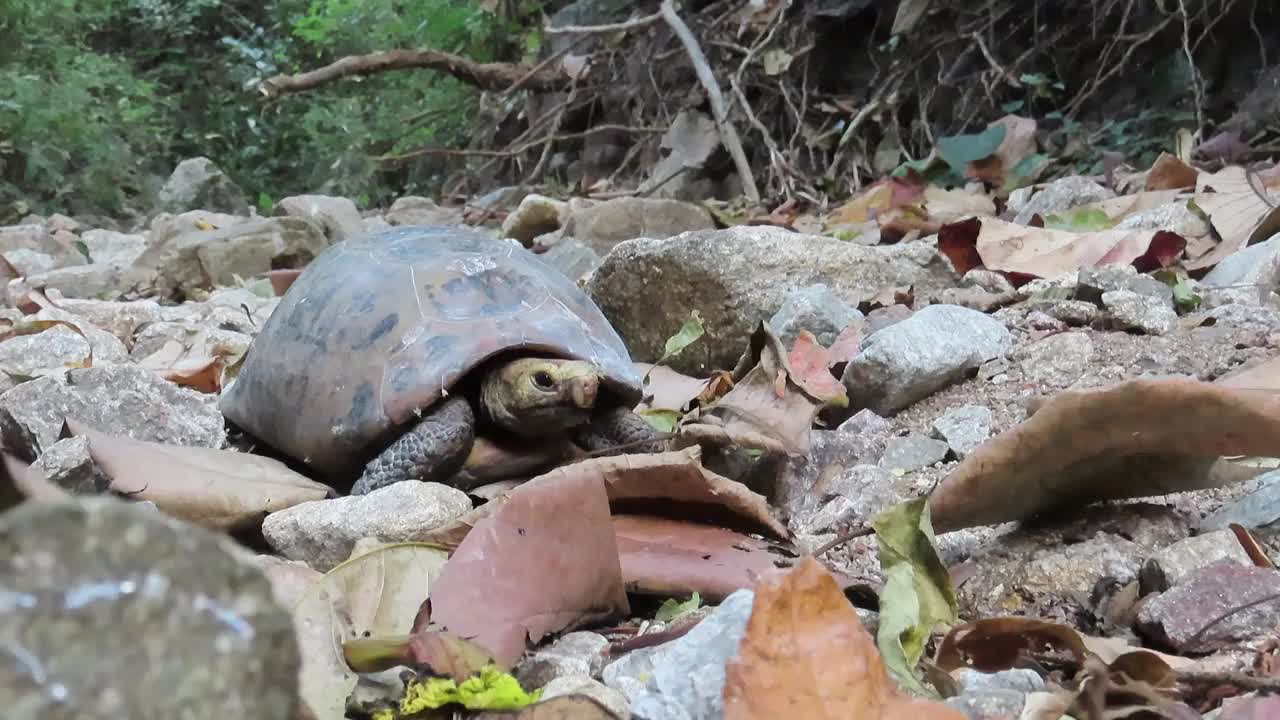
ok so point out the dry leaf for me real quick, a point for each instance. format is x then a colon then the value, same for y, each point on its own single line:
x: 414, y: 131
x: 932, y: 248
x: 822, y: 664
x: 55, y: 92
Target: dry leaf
x: 201, y: 374
x: 879, y: 197
x: 1036, y: 252
x: 661, y: 556
x: 994, y: 644
x: 282, y: 279
x: 810, y: 365
x: 544, y: 562
x: 1019, y: 143
x: 1133, y: 439
x: 765, y: 410
x: 1170, y: 173
x: 805, y: 654
x: 1236, y: 212
x: 218, y: 489
x: 848, y: 343
x: 667, y: 389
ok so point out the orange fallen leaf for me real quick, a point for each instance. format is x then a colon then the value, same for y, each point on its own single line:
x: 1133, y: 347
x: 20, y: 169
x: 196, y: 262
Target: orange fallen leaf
x: 1018, y: 144
x: 546, y: 561
x: 810, y: 367
x: 1136, y: 438
x: 661, y: 556
x: 994, y: 644
x: 880, y: 196
x: 1170, y: 173
x: 281, y: 280
x: 202, y: 374
x: 805, y: 654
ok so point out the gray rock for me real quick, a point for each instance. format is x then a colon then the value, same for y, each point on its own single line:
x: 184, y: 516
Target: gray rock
x: 860, y: 440
x: 116, y: 610
x: 1096, y: 280
x: 50, y: 351
x: 1239, y: 315
x: 323, y: 532
x: 197, y: 183
x: 577, y: 654
x: 121, y: 400
x: 912, y: 452
x: 1252, y: 273
x: 883, y: 317
x: 58, y: 245
x: 1071, y: 312
x: 993, y: 704
x: 816, y: 309
x: 1214, y: 599
x: 604, y: 224
x: 1020, y: 679
x: 993, y: 369
x: 736, y: 278
x: 1130, y: 310
x: 573, y: 258
x: 1062, y: 194
x: 205, y: 258
x: 33, y: 262
x: 1174, y: 217
x: 339, y: 216
x: 989, y: 280
x: 1259, y: 510
x: 1056, y: 361
x: 964, y: 428
x: 834, y: 516
x: 535, y: 215
x: 68, y: 464
x: 108, y: 247
x: 613, y: 700
x: 94, y: 282
x: 684, y: 679
x: 912, y: 359
x: 414, y: 210
x: 120, y: 319
x: 1183, y: 558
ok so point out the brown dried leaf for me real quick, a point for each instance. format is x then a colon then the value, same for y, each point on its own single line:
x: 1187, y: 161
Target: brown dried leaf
x: 1133, y: 439
x: 1041, y: 252
x: 544, y: 562
x: 994, y: 644
x: 201, y: 374
x: 667, y: 389
x: 661, y: 556
x: 281, y: 280
x: 1018, y: 144
x: 1170, y: 173
x: 1236, y: 212
x: 218, y: 489
x: 806, y: 654
x: 766, y: 409
x: 848, y: 343
x: 811, y: 369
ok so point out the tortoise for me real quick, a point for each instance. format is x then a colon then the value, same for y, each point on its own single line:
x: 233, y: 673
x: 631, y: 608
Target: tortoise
x: 393, y: 351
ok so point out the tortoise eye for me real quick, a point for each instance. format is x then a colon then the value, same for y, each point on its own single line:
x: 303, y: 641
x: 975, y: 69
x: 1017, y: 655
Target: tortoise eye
x: 543, y: 380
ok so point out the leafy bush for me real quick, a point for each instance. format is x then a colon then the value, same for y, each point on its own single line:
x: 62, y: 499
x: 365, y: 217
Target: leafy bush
x: 99, y: 99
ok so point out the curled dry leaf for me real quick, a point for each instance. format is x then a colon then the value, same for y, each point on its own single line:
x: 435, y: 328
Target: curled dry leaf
x: 1170, y: 173
x: 1019, y: 143
x: 879, y: 197
x: 1239, y: 213
x: 1133, y: 439
x: 202, y: 374
x: 218, y: 489
x: 805, y: 654
x: 810, y: 366
x: 848, y: 343
x: 443, y: 653
x: 374, y: 594
x: 667, y: 389
x: 1024, y: 252
x: 767, y: 409
x: 994, y: 644
x: 661, y: 556
x: 543, y: 562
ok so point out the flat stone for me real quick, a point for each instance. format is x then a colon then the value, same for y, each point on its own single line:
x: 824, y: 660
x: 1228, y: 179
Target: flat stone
x: 1071, y: 312
x: 1130, y: 310
x: 323, y: 532
x: 913, y: 452
x: 1056, y: 361
x: 108, y: 247
x: 964, y: 428
x: 1174, y: 618
x: 339, y: 216
x: 816, y: 309
x: 1259, y: 510
x: 1183, y: 558
x: 602, y: 225
x: 416, y: 210
x: 1096, y: 280
x: 576, y: 654
x: 613, y: 700
x: 68, y: 464
x: 121, y: 400
x: 91, y: 583
x: 684, y: 679
x: 1248, y: 276
x: 1062, y: 194
x: 912, y: 359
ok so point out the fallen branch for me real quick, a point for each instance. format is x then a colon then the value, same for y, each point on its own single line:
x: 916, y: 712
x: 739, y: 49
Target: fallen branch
x: 609, y: 28
x: 486, y: 76
x: 728, y: 135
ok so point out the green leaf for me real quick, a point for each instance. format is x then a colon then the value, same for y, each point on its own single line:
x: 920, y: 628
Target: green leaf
x: 1013, y: 106
x: 84, y: 250
x: 686, y: 336
x: 490, y: 690
x: 1025, y: 172
x: 960, y: 150
x: 662, y: 419
x: 918, y: 595
x: 1079, y: 220
x: 1185, y: 297
x: 670, y: 609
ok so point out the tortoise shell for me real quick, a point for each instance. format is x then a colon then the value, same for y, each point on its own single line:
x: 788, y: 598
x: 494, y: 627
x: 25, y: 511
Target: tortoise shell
x: 379, y: 327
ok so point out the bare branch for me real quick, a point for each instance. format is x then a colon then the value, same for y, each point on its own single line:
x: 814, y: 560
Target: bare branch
x: 608, y: 28
x: 728, y: 135
x: 486, y: 76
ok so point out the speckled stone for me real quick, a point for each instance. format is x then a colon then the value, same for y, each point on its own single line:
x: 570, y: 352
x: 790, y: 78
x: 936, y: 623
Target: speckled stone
x: 113, y: 610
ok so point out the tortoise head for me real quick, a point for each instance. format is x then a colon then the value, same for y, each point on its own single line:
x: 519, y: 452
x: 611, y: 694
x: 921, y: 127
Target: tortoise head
x: 533, y: 396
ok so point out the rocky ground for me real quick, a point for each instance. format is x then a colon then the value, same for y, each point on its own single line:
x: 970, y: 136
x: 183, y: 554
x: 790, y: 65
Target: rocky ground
x: 133, y: 334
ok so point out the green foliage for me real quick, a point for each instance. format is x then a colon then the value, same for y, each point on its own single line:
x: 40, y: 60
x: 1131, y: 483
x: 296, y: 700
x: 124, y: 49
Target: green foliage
x: 99, y: 99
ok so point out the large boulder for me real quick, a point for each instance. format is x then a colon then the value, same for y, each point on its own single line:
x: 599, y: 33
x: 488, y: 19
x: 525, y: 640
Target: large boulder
x: 116, y: 610
x: 197, y: 183
x: 603, y: 225
x: 737, y: 277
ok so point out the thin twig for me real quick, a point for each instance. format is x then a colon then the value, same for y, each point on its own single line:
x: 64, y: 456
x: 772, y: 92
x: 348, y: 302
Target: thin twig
x: 843, y: 538
x: 606, y: 28
x: 728, y: 135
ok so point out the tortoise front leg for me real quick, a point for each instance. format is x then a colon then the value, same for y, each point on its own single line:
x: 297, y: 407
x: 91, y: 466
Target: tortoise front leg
x: 619, y: 426
x: 432, y: 450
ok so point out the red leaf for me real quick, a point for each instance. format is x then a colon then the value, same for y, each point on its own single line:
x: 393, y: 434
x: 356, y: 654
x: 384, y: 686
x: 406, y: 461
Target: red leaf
x: 959, y: 242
